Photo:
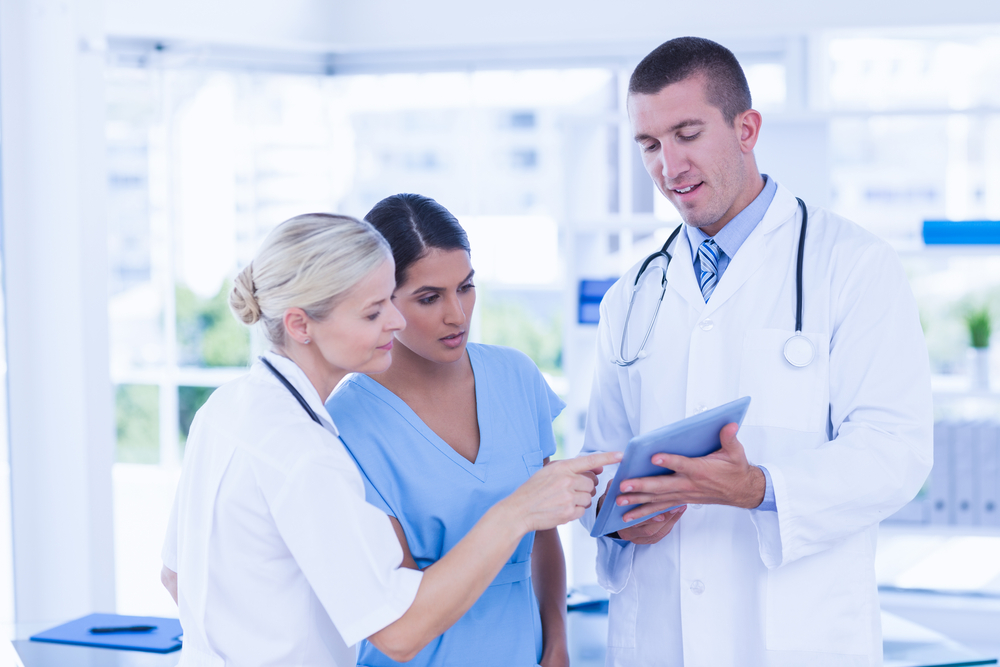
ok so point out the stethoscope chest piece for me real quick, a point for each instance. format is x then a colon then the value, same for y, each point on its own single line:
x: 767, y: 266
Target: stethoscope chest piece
x: 799, y: 350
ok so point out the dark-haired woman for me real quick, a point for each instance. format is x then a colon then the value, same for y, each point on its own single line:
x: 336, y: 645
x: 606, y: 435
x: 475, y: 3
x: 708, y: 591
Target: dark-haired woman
x: 448, y: 430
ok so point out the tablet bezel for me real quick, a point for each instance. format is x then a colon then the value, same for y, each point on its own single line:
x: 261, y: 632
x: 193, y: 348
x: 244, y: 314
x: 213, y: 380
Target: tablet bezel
x: 692, y: 437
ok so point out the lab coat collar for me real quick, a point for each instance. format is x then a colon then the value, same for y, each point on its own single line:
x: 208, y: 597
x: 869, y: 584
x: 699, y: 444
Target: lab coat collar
x: 297, y: 377
x: 680, y: 273
x: 753, y: 251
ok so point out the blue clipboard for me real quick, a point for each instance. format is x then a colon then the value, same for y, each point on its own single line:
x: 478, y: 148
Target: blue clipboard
x: 164, y: 639
x: 692, y: 437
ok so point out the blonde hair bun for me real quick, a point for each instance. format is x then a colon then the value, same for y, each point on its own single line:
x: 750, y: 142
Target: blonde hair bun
x: 243, y: 300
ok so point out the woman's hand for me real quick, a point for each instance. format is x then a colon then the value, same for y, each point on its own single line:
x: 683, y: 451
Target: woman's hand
x: 559, y: 492
x: 556, y: 657
x: 169, y: 580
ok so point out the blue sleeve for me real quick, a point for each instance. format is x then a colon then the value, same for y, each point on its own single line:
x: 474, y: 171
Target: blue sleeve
x: 549, y: 407
x: 372, y: 495
x: 768, y: 504
x: 347, y: 414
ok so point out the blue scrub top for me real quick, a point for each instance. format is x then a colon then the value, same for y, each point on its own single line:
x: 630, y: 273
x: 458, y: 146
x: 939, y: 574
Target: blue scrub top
x: 438, y: 495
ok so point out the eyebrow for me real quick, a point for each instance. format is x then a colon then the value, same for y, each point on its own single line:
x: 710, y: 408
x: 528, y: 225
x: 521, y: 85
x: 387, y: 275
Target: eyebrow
x: 679, y: 126
x: 428, y: 288
x: 374, y: 304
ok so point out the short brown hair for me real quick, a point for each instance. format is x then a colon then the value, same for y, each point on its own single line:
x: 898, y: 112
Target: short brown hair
x: 684, y: 57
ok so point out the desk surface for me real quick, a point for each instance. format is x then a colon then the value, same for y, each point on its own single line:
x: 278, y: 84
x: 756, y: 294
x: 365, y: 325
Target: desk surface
x: 906, y: 644
x: 44, y: 654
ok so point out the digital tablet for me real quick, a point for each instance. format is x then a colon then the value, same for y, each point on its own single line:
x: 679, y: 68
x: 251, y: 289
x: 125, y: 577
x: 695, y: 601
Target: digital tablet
x: 692, y: 437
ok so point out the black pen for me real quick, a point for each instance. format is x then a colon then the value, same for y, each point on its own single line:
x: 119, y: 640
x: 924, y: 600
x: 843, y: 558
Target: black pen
x: 123, y: 628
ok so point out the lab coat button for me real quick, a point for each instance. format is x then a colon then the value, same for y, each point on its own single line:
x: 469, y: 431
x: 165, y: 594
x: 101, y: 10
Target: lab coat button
x: 697, y: 587
x: 695, y: 507
x: 701, y: 408
x: 706, y: 325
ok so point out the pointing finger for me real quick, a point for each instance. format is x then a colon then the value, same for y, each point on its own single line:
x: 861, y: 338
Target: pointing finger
x: 593, y: 462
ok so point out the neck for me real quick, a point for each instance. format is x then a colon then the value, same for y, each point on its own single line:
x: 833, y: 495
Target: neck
x: 409, y: 369
x: 755, y: 185
x: 323, y: 378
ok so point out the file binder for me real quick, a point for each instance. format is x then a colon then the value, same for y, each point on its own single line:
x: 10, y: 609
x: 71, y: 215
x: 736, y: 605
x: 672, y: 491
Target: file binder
x: 965, y: 481
x: 940, y: 496
x: 988, y: 450
x: 166, y: 637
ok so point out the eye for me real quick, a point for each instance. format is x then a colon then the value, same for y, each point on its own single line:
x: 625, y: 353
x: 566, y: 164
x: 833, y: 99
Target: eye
x: 649, y: 148
x: 689, y: 137
x: 466, y: 287
x: 428, y: 300
x: 373, y: 316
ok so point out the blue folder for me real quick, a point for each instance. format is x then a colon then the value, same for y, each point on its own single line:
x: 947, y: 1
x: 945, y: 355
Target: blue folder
x: 164, y: 639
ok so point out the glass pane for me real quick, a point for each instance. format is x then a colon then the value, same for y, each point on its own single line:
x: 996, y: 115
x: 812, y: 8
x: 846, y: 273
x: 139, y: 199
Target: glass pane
x: 137, y: 423
x: 884, y: 73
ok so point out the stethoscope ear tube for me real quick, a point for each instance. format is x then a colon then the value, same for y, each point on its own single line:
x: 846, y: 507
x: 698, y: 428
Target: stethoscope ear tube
x: 798, y: 350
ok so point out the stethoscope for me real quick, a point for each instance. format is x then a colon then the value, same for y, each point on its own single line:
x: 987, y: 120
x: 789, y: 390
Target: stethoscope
x: 295, y: 392
x: 799, y: 351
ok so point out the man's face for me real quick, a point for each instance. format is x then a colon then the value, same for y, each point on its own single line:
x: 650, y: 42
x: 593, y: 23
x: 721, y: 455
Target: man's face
x: 697, y: 159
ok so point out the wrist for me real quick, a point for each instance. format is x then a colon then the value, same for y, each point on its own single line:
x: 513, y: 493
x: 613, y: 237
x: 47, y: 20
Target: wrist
x: 510, y: 518
x: 755, y: 488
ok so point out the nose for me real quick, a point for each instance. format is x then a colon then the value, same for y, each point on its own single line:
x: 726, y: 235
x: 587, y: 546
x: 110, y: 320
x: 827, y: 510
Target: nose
x: 394, y: 320
x: 454, y: 313
x: 675, y: 162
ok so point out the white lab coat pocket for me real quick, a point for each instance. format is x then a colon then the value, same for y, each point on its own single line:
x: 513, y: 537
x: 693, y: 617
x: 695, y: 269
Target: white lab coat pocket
x: 826, y: 614
x: 781, y: 394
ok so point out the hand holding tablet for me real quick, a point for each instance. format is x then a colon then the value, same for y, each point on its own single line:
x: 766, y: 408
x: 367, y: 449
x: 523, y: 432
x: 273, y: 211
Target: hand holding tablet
x: 693, y: 437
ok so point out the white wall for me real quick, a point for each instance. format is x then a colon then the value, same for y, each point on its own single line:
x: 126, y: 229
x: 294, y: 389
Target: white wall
x: 401, y: 25
x: 55, y: 275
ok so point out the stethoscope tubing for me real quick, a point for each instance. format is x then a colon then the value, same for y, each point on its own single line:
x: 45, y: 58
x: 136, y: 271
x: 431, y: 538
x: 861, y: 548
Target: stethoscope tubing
x: 803, y: 353
x: 798, y: 266
x: 295, y: 392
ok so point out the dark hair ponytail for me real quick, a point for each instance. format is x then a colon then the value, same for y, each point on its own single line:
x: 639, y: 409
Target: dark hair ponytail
x: 413, y: 224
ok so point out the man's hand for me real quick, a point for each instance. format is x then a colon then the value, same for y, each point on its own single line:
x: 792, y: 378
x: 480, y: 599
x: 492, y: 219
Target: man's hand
x: 650, y: 531
x: 724, y: 477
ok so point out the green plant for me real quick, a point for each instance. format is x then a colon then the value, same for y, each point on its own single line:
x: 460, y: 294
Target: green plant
x: 980, y: 326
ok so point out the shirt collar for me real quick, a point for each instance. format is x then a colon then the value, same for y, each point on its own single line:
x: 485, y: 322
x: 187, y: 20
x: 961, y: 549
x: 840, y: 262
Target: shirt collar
x: 297, y: 378
x: 736, y: 231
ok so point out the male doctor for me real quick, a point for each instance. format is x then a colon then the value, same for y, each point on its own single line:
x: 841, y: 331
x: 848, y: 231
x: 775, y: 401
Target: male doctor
x: 772, y: 562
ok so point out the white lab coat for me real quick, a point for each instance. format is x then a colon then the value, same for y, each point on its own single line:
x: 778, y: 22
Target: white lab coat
x: 279, y: 559
x: 847, y: 441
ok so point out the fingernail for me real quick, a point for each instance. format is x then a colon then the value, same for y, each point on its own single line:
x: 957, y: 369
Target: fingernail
x: 627, y: 488
x: 659, y: 517
x: 678, y: 510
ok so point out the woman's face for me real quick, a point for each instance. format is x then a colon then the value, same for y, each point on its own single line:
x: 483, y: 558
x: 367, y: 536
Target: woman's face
x: 357, y: 335
x: 437, y: 301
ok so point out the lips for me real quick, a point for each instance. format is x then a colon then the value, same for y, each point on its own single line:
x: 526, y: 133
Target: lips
x: 687, y: 189
x: 454, y: 340
x: 386, y: 347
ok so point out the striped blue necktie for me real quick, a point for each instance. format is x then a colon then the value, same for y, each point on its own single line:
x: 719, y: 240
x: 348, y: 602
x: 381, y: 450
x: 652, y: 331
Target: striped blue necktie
x: 708, y: 257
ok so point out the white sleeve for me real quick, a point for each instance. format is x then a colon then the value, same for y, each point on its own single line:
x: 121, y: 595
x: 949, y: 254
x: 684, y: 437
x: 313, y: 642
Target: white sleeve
x: 881, y: 420
x: 345, y: 547
x: 608, y: 430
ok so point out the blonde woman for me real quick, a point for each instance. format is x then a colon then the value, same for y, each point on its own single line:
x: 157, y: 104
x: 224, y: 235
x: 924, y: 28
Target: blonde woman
x: 273, y: 555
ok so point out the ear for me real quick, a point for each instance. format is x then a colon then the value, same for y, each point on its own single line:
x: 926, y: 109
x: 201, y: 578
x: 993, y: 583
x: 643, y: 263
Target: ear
x: 748, y: 128
x: 297, y: 325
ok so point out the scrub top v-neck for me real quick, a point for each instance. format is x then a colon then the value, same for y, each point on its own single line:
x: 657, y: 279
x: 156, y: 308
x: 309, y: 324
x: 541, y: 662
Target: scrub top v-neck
x: 438, y: 495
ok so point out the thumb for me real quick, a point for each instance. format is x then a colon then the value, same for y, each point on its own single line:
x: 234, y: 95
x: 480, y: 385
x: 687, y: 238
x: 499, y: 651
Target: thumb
x: 727, y: 436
